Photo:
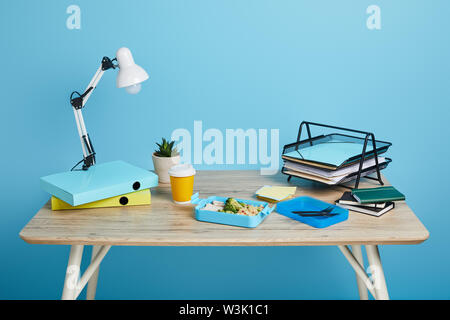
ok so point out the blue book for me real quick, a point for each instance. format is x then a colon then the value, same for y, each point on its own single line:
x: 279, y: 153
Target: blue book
x: 99, y: 182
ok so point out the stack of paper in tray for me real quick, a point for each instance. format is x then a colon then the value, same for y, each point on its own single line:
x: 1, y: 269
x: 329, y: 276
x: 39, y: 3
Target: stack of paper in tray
x: 372, y: 201
x: 334, y: 159
x: 274, y: 193
x: 112, y: 184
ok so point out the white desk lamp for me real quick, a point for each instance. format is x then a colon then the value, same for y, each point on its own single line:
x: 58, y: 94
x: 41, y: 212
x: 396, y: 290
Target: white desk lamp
x: 129, y: 77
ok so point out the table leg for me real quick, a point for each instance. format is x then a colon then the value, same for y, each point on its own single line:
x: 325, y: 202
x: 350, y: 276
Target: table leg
x: 362, y: 289
x: 92, y: 283
x: 73, y: 283
x: 359, y: 270
x: 379, y: 281
x: 72, y: 272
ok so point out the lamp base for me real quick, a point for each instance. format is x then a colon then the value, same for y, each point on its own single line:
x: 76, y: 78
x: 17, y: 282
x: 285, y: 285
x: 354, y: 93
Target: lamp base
x: 88, y: 161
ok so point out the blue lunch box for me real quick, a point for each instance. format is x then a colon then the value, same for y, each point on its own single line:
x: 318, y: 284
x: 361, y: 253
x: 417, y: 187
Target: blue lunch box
x: 231, y: 219
x: 286, y: 208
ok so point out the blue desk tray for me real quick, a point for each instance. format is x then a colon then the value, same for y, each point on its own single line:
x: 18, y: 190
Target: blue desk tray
x: 101, y: 181
x: 231, y: 219
x: 310, y: 204
x: 334, y: 150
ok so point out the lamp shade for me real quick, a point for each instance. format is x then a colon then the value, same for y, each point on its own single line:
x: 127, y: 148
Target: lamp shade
x: 130, y: 74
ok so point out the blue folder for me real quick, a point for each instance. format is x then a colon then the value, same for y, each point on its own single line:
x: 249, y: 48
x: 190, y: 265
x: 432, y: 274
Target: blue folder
x: 99, y: 182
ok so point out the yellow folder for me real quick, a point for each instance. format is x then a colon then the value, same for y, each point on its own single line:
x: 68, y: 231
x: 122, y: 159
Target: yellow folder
x: 130, y: 199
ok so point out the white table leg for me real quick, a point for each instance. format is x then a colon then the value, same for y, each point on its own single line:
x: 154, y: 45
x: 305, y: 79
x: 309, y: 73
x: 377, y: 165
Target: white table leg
x: 72, y: 272
x: 92, y: 284
x: 362, y: 289
x: 375, y: 267
x: 358, y: 268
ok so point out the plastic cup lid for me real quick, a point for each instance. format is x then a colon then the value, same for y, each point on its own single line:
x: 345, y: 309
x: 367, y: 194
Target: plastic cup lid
x: 182, y: 170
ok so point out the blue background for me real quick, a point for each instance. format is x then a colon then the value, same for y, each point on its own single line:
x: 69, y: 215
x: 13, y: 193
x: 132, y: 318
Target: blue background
x: 232, y: 64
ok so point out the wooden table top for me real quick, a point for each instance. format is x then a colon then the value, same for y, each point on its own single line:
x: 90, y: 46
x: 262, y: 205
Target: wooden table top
x: 165, y: 224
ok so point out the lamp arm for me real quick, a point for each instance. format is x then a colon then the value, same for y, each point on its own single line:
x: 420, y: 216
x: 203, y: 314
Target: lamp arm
x: 78, y: 103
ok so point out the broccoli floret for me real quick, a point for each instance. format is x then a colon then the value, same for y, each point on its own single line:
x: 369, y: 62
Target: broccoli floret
x: 232, y: 205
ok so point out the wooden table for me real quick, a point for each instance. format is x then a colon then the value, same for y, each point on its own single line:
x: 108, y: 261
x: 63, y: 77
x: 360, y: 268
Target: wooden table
x: 165, y: 224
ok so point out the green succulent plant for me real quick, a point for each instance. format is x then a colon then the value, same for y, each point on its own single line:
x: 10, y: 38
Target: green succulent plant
x: 166, y: 149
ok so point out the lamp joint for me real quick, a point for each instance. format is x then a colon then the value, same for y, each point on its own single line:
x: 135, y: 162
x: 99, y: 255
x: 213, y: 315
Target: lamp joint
x: 77, y: 102
x: 107, y: 63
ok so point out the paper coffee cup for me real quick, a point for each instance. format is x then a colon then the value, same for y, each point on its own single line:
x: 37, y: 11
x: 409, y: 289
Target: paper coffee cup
x: 182, y: 182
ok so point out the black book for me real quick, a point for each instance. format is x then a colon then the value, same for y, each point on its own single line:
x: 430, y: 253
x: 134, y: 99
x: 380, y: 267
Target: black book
x: 348, y: 199
x: 369, y: 210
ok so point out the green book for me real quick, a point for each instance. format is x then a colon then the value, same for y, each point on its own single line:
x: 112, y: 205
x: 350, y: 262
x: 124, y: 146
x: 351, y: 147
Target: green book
x: 376, y: 195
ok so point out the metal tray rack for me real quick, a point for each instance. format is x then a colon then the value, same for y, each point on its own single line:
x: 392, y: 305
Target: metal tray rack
x: 365, y: 137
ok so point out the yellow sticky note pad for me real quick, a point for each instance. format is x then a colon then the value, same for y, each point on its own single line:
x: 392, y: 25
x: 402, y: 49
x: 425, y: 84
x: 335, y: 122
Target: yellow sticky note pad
x: 271, y: 200
x: 276, y: 193
x: 141, y: 197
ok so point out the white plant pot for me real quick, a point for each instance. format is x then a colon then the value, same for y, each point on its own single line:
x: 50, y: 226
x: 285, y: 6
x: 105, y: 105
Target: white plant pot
x: 162, y: 166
